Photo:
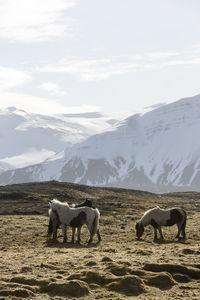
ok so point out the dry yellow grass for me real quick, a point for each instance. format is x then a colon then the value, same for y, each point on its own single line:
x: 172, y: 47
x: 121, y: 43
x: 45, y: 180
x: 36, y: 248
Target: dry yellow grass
x: 120, y: 267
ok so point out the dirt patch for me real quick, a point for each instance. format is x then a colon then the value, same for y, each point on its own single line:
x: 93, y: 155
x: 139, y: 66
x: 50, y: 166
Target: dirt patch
x: 117, y: 270
x: 181, y: 278
x: 193, y: 273
x: 128, y: 285
x: 73, y: 288
x: 162, y: 281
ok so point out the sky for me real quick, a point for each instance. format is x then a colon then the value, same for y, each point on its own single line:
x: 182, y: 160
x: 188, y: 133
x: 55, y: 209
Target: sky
x: 111, y: 56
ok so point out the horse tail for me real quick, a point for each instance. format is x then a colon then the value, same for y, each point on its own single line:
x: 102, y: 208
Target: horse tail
x: 53, y: 219
x: 95, y: 225
x: 50, y: 227
x: 185, y: 218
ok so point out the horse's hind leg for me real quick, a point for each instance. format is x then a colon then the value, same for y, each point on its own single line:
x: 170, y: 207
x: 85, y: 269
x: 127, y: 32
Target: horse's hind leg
x: 91, y: 235
x: 179, y: 230
x: 91, y: 238
x: 64, y: 233
x: 73, y: 232
x: 79, y: 235
x: 98, y: 234
x: 183, y: 230
x: 160, y: 231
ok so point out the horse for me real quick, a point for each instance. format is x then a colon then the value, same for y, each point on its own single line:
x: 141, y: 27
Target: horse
x: 54, y: 222
x: 158, y: 217
x: 75, y: 217
x: 87, y: 202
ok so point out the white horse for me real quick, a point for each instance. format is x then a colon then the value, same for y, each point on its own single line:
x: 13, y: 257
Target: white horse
x: 54, y: 222
x: 74, y: 217
x: 158, y: 217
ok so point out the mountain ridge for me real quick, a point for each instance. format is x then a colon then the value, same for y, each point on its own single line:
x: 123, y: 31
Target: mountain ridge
x: 157, y: 150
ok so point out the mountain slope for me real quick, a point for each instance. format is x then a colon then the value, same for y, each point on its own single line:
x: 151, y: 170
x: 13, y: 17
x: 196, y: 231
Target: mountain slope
x: 31, y: 138
x: 156, y: 151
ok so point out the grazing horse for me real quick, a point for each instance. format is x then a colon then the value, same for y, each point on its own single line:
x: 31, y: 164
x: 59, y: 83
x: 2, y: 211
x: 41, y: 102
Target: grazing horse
x: 75, y: 217
x: 158, y: 217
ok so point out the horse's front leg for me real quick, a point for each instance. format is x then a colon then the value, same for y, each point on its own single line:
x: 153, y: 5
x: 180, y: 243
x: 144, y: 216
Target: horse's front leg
x: 55, y: 235
x: 73, y: 232
x: 91, y: 236
x: 98, y: 234
x: 155, y: 234
x: 160, y: 231
x: 64, y: 233
x: 55, y: 229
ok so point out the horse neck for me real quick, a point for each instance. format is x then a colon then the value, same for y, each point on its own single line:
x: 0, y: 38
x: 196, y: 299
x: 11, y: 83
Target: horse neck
x: 145, y: 220
x: 63, y: 210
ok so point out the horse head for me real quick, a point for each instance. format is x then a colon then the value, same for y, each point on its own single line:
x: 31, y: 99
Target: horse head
x: 139, y: 229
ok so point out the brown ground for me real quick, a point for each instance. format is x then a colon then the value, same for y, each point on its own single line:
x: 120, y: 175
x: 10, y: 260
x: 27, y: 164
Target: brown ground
x: 120, y: 267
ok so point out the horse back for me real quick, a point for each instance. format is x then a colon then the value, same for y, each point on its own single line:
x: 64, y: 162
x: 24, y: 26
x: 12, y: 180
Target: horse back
x: 177, y: 215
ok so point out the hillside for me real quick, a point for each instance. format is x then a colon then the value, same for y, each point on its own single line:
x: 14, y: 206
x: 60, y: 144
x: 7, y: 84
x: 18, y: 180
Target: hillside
x: 120, y: 267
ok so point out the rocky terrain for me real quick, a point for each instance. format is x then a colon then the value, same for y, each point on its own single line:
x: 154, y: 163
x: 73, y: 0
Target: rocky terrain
x: 120, y: 267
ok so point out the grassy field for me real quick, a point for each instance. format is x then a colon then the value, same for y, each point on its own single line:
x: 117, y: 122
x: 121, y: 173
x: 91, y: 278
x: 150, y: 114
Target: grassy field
x: 120, y: 267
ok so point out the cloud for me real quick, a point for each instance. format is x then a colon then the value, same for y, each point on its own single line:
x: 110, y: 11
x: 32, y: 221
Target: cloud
x: 33, y: 20
x: 94, y: 69
x: 103, y: 68
x: 163, y: 54
x: 52, y: 88
x: 30, y: 157
x: 41, y: 105
x: 11, y: 78
x: 31, y: 103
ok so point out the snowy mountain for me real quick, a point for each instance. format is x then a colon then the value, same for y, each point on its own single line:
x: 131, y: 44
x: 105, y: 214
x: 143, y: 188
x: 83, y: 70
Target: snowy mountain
x: 158, y: 150
x: 31, y: 138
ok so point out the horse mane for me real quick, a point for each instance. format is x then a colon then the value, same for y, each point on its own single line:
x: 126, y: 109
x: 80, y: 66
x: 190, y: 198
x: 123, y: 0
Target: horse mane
x: 56, y: 201
x: 147, y: 215
x: 150, y: 210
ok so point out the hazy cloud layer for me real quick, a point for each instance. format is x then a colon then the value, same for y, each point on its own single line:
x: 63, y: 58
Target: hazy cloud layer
x: 103, y: 68
x: 33, y: 20
x: 10, y: 78
x: 114, y: 55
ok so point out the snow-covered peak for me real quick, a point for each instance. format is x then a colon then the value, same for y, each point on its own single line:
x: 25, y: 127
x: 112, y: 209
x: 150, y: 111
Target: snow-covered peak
x: 156, y: 150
